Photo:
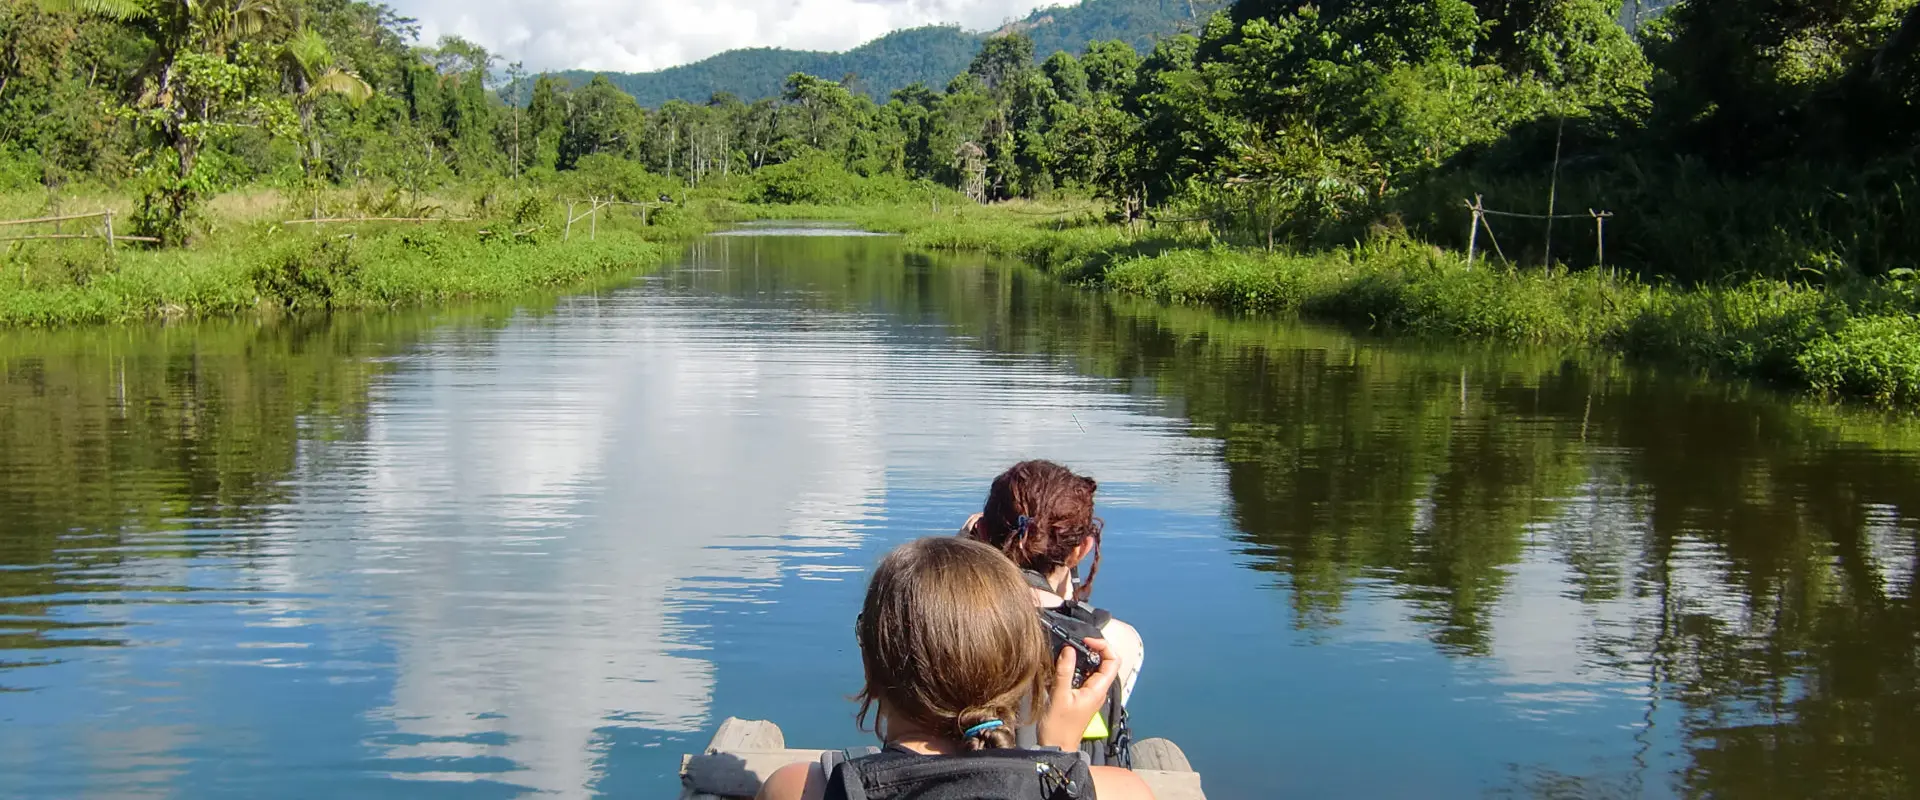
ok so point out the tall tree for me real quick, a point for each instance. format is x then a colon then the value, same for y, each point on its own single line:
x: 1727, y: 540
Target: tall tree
x: 313, y: 73
x: 826, y: 111
x: 547, y: 118
x: 1002, y: 60
x: 601, y: 119
x: 205, y: 74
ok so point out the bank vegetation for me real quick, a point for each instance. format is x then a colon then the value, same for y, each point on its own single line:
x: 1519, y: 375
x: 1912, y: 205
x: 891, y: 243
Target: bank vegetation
x: 1723, y: 183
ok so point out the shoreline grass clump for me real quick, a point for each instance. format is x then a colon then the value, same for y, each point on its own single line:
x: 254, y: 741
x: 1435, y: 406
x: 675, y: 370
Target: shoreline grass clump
x: 1876, y: 358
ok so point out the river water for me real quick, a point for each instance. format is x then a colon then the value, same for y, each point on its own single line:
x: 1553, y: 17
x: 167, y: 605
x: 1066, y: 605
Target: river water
x: 544, y: 548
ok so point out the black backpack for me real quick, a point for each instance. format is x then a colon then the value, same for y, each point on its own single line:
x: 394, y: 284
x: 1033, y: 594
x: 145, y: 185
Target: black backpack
x: 1076, y: 621
x: 896, y: 774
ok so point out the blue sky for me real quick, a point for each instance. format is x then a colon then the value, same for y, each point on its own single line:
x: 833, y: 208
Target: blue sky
x: 630, y: 36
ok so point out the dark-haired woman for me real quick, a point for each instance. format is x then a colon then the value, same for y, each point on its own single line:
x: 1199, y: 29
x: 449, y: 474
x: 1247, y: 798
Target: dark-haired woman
x: 1040, y: 515
x: 952, y: 653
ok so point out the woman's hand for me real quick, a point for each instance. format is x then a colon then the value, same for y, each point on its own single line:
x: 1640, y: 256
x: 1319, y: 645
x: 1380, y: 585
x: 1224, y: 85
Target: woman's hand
x: 1070, y: 710
x: 966, y: 531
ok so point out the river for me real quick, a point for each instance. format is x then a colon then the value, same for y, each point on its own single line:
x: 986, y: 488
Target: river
x: 545, y: 547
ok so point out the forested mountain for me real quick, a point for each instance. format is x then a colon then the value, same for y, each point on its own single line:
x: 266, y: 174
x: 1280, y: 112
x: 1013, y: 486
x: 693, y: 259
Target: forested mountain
x: 931, y: 55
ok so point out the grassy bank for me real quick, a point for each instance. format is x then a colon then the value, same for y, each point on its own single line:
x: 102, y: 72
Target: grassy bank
x: 1858, y: 340
x: 249, y: 261
x: 307, y: 271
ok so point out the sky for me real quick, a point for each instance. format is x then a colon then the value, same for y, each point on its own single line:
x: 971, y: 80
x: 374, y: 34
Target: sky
x: 646, y: 35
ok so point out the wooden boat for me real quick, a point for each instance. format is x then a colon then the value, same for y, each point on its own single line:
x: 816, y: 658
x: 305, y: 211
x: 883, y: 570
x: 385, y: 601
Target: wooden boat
x: 745, y: 752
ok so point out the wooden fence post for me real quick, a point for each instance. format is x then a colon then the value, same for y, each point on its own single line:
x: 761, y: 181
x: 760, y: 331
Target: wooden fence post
x: 568, y: 236
x: 1491, y: 237
x: 593, y: 225
x: 1473, y: 229
x: 109, y: 229
x: 1553, y: 192
x: 1600, y: 235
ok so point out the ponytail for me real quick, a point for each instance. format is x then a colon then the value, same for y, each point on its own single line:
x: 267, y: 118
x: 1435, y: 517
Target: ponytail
x: 982, y: 729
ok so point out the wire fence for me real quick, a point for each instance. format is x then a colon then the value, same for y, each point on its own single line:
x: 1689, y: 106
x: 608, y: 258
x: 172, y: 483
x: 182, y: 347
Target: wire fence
x: 1480, y: 222
x: 592, y: 214
x: 104, y: 233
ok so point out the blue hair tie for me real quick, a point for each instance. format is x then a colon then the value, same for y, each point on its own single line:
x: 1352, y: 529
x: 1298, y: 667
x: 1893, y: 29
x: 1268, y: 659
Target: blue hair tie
x: 1020, y: 529
x: 982, y: 728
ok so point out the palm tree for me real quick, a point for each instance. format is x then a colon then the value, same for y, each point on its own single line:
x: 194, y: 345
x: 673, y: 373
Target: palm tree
x: 181, y: 114
x: 311, y: 67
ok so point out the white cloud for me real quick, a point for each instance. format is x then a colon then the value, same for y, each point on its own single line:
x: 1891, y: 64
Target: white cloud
x: 655, y: 34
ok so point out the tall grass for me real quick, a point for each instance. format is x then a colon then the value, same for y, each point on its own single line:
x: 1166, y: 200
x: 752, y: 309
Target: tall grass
x: 263, y: 272
x: 1857, y: 339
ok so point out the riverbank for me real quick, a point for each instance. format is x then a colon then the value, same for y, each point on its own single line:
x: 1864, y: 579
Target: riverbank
x: 1857, y: 341
x: 248, y: 264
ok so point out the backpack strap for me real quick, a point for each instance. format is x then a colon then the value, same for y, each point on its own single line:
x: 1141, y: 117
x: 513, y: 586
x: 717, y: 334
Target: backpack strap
x: 1072, y: 608
x: 844, y: 783
x: 1097, y: 617
x: 1119, y: 743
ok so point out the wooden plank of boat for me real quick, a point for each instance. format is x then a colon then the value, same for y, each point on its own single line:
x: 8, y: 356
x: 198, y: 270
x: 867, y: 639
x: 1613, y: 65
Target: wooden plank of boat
x: 738, y: 761
x: 735, y: 734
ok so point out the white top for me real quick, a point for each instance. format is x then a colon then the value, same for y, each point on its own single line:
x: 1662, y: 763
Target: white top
x: 1122, y: 639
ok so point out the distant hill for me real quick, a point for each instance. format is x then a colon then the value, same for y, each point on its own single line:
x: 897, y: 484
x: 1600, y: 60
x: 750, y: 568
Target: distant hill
x: 930, y: 55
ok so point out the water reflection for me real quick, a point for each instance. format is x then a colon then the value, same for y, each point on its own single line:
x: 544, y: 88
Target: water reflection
x: 1734, y: 563
x: 542, y: 551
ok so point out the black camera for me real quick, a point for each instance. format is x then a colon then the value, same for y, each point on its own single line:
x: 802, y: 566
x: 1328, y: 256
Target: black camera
x: 1087, y: 663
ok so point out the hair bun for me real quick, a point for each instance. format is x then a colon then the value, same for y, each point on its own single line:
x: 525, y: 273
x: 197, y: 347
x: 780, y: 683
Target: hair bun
x: 981, y: 729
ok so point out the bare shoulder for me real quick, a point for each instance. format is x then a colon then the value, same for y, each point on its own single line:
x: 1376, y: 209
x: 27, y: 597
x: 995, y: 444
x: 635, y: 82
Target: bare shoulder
x: 801, y: 781
x: 1114, y: 783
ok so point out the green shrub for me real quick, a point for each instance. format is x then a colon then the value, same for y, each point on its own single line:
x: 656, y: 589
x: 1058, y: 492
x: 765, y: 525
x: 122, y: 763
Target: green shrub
x: 19, y: 170
x: 812, y: 179
x: 1875, y: 358
x: 674, y: 221
x: 606, y: 176
x: 819, y: 179
x: 305, y: 276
